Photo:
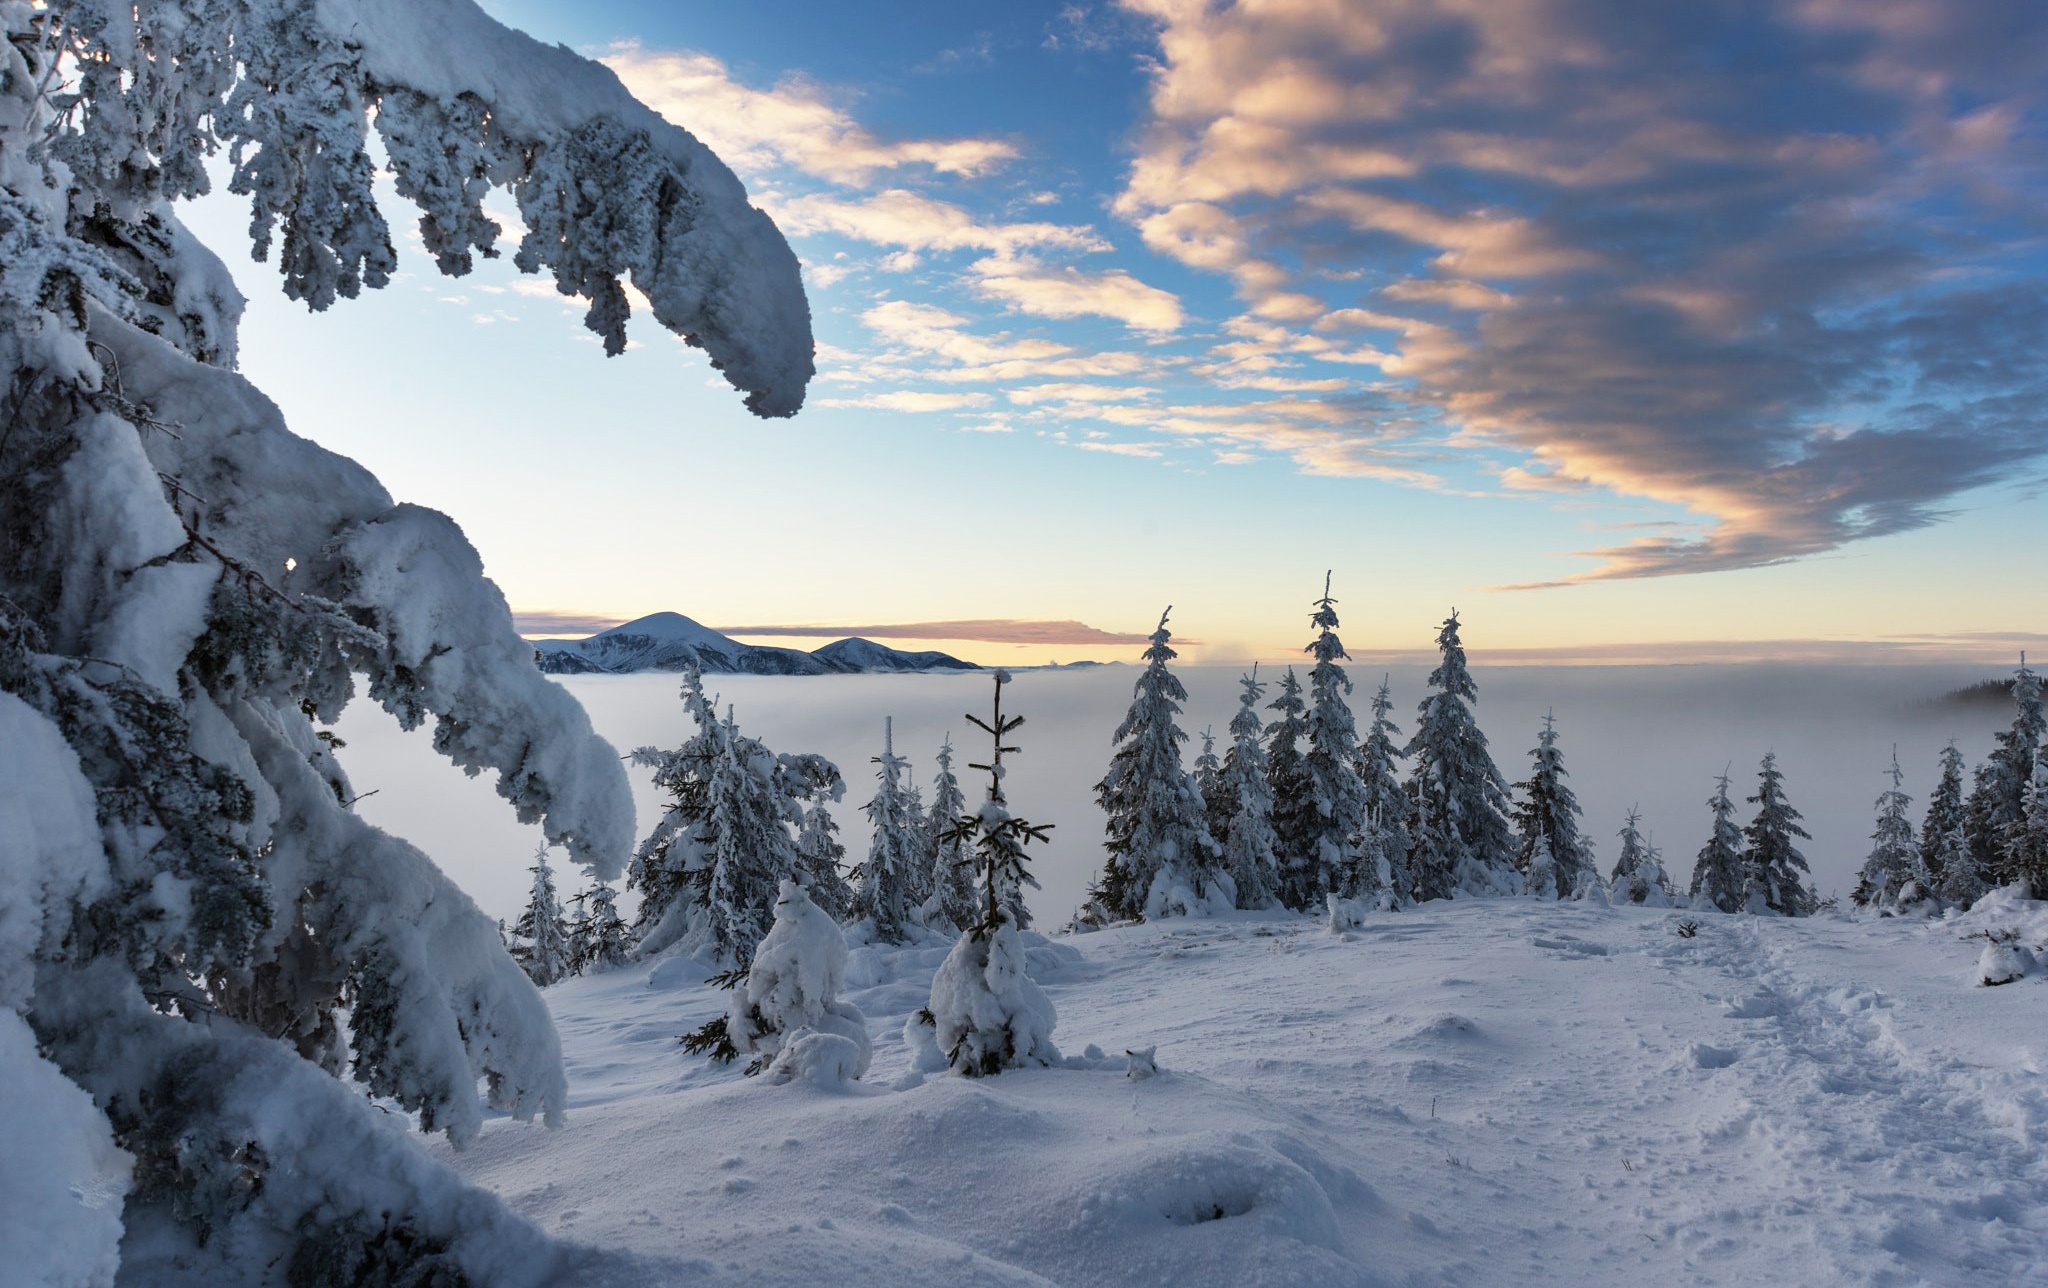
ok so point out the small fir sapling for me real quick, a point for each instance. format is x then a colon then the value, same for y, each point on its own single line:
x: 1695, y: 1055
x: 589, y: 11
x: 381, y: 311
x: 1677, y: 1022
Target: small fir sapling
x: 1772, y: 865
x: 2026, y: 847
x: 1639, y: 875
x: 1463, y: 842
x: 1892, y: 875
x: 986, y: 1014
x: 1952, y: 872
x: 1216, y: 806
x: 1340, y: 819
x: 1249, y: 850
x: 886, y: 885
x: 1162, y: 861
x: 951, y: 906
x: 1555, y: 857
x: 787, y: 1016
x: 545, y: 952
x: 576, y: 920
x: 1387, y: 841
x: 1717, y: 873
x: 1997, y: 806
x: 1287, y: 782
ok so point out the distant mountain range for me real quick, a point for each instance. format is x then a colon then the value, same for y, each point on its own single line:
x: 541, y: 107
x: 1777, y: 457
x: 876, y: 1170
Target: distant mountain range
x: 671, y: 642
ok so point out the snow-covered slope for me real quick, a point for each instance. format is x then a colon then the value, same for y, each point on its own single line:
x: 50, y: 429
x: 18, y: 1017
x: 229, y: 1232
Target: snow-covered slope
x: 671, y: 642
x: 1486, y: 1092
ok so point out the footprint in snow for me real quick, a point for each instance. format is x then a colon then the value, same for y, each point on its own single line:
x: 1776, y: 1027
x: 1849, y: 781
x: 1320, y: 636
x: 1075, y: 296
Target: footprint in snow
x: 1711, y: 1057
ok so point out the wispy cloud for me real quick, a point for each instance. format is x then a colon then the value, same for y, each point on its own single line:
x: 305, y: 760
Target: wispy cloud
x: 541, y: 621
x: 986, y: 630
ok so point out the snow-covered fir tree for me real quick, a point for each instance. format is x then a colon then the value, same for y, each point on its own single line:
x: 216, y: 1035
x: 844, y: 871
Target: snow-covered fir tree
x: 886, y: 885
x: 986, y: 1013
x: 820, y: 856
x: 543, y: 930
x: 1717, y: 872
x: 1248, y: 846
x: 1340, y: 819
x: 1209, y: 781
x: 1952, y: 873
x: 608, y: 941
x: 1162, y: 861
x: 1639, y: 875
x: 576, y: 919
x: 2025, y: 852
x: 1996, y: 810
x: 709, y: 871
x: 787, y: 1016
x: 1294, y: 808
x: 202, y: 937
x: 1387, y: 839
x: 1555, y: 857
x: 1892, y: 874
x: 1772, y: 865
x: 950, y: 908
x: 1463, y: 841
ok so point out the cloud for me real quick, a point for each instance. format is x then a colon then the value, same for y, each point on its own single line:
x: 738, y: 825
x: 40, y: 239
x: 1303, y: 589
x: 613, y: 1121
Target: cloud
x: 1802, y: 302
x: 1029, y: 395
x: 911, y: 400
x: 918, y: 332
x: 900, y: 217
x: 543, y: 622
x: 987, y: 630
x: 1070, y: 293
x: 793, y: 124
x: 1121, y: 449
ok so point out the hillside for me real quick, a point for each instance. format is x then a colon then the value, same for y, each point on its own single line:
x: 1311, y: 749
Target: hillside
x: 1487, y: 1092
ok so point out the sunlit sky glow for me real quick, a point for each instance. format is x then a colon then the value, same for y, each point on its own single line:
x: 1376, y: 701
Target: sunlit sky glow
x: 1637, y: 332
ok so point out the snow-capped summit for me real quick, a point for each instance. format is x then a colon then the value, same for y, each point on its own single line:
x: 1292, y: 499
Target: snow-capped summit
x: 671, y: 642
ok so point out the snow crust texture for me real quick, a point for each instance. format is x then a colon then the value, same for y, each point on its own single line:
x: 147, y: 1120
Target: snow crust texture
x: 1478, y: 1092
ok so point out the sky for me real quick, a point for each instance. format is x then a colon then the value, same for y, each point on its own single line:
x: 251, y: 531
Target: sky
x: 1634, y: 332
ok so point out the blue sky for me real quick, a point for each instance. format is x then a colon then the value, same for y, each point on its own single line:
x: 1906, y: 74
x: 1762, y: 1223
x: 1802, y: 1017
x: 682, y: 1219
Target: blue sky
x: 1701, y: 325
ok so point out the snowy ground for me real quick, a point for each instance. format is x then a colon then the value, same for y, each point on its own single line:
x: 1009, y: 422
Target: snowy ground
x: 1491, y: 1092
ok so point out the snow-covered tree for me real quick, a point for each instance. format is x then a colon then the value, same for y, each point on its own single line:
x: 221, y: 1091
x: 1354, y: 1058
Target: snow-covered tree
x: 1294, y: 808
x: 1387, y: 840
x: 986, y: 1013
x: 2025, y: 852
x: 709, y: 871
x: 608, y: 941
x: 1463, y: 842
x: 1893, y: 873
x: 1208, y: 773
x: 787, y: 1016
x: 951, y: 905
x: 1555, y: 858
x: 1944, y: 843
x: 886, y: 886
x: 1248, y: 844
x: 545, y: 951
x: 1997, y: 807
x: 1717, y: 873
x: 1340, y: 819
x: 193, y: 913
x: 819, y: 856
x: 1771, y: 864
x: 1639, y: 875
x: 1162, y: 861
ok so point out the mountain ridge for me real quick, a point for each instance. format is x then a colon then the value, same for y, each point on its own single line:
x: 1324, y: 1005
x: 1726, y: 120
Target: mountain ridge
x: 672, y: 642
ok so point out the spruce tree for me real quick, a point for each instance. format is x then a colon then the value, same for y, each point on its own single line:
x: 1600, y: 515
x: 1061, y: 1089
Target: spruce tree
x: 2025, y: 852
x: 1944, y: 845
x: 1294, y: 807
x: 1340, y: 819
x: 1772, y: 865
x: 1216, y: 806
x: 1639, y: 875
x: 1892, y: 874
x: 1162, y: 861
x: 576, y: 920
x: 1463, y: 841
x: 1248, y: 844
x: 820, y: 856
x: 709, y: 871
x: 1555, y: 859
x: 886, y: 885
x: 1717, y: 873
x: 545, y: 954
x: 986, y: 1013
x: 951, y: 905
x: 1997, y: 807
x: 787, y: 1015
x: 1387, y: 841
x: 610, y: 943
